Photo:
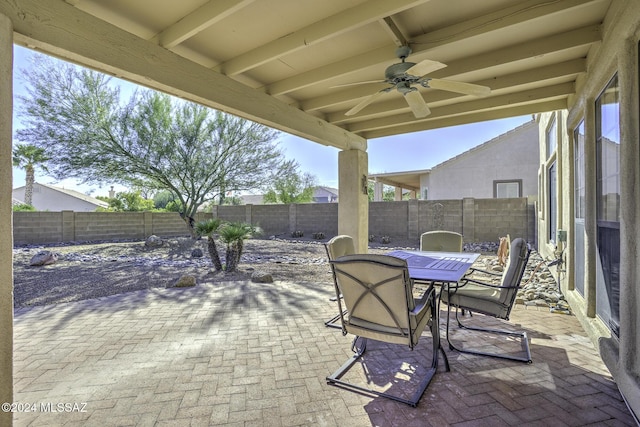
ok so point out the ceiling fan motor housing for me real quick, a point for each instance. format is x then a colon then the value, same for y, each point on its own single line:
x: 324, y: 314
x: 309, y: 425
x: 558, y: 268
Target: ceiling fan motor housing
x: 397, y: 72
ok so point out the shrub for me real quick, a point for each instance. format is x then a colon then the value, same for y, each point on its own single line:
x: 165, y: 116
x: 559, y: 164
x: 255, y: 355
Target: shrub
x: 23, y: 207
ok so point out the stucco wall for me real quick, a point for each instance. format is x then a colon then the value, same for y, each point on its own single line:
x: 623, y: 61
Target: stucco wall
x: 617, y: 54
x: 511, y: 156
x: 46, y: 199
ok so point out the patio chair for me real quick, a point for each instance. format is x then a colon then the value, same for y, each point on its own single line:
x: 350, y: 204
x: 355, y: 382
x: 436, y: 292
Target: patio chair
x: 336, y: 247
x: 491, y: 300
x: 441, y: 241
x: 378, y: 294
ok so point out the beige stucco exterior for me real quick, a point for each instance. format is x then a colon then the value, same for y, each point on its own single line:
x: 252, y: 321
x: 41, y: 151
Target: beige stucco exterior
x: 57, y: 27
x: 618, y: 54
x: 6, y: 242
x: 49, y: 198
x: 508, y: 158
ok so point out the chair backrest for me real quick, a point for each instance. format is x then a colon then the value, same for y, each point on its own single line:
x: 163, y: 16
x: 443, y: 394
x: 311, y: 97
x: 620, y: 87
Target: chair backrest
x: 513, y: 272
x: 378, y: 296
x: 339, y: 246
x: 441, y: 241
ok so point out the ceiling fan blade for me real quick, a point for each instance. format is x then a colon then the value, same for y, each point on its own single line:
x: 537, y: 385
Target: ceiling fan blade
x: 425, y: 67
x: 417, y: 104
x: 365, y: 102
x: 459, y: 87
x: 359, y: 83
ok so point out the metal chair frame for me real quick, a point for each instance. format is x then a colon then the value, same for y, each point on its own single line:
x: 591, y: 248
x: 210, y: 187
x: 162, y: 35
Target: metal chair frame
x: 429, y: 297
x: 331, y: 323
x: 525, y: 355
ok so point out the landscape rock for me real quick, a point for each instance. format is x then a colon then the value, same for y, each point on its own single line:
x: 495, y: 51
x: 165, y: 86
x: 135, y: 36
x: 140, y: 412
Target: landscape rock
x: 261, y: 277
x: 197, y: 253
x: 153, y: 241
x: 185, y: 281
x: 44, y: 258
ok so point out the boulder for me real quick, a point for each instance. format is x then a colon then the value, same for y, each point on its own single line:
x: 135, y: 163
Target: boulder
x: 197, y: 253
x: 44, y: 258
x: 153, y: 241
x: 185, y: 281
x: 261, y: 277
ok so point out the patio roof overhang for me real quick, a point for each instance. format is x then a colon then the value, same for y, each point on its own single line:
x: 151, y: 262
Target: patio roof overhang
x: 279, y: 62
x: 409, y: 180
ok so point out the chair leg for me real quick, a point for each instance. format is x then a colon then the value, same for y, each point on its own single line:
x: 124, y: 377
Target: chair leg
x: 334, y: 379
x: 526, y: 352
x: 331, y: 323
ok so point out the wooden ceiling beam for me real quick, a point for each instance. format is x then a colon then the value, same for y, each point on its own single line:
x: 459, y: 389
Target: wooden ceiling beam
x: 197, y: 21
x: 562, y: 90
x: 422, y: 45
x: 332, y: 26
x: 58, y: 29
x: 462, y: 119
x: 394, y: 32
x: 536, y: 76
x: 518, y: 52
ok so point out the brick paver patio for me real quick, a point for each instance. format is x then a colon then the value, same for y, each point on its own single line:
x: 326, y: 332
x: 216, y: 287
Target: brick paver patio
x: 247, y: 354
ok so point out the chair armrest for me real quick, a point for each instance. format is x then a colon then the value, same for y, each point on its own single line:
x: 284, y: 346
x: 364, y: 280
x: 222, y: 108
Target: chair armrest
x: 490, y: 273
x: 423, y: 303
x: 466, y: 280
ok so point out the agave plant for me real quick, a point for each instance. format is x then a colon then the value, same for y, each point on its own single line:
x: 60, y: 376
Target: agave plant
x: 233, y: 235
x: 209, y: 229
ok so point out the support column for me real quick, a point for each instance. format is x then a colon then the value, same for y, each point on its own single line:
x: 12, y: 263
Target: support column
x: 397, y: 196
x: 353, y: 202
x: 378, y: 191
x: 6, y: 234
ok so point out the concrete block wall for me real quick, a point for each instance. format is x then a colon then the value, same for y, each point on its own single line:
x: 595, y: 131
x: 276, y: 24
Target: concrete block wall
x: 109, y: 225
x: 388, y: 219
x: 478, y: 220
x: 316, y: 217
x: 273, y: 219
x: 440, y: 215
x: 37, y: 227
x: 498, y: 217
x: 69, y: 226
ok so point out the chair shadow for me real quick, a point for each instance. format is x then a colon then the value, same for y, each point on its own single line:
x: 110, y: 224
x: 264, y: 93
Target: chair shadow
x: 556, y: 389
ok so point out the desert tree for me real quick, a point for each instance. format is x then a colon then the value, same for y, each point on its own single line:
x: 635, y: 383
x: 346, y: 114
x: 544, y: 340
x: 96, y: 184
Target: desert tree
x: 291, y: 185
x: 152, y: 141
x: 28, y: 157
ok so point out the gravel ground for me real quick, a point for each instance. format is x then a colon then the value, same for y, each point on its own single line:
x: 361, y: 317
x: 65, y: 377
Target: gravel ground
x: 94, y: 270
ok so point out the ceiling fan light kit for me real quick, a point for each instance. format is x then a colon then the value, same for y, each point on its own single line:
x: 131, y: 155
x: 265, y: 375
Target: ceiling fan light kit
x: 403, y: 75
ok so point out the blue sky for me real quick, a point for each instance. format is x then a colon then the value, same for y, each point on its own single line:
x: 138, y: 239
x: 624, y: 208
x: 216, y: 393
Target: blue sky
x: 419, y: 150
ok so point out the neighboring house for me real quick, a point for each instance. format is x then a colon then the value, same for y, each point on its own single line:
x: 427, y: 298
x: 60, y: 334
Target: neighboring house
x: 320, y: 195
x: 505, y: 166
x: 325, y: 195
x: 50, y: 198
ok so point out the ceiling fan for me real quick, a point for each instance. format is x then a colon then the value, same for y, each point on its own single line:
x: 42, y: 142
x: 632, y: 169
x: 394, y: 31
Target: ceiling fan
x: 403, y: 76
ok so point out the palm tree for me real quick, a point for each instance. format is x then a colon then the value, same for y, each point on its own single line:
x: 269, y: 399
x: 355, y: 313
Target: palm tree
x: 209, y: 228
x: 234, y: 235
x: 27, y: 157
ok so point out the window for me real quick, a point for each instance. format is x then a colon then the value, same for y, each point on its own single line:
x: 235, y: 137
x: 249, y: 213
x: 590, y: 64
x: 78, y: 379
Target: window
x: 552, y: 202
x: 507, y: 189
x: 552, y: 138
x: 579, y: 172
x: 608, y: 153
x: 608, y: 205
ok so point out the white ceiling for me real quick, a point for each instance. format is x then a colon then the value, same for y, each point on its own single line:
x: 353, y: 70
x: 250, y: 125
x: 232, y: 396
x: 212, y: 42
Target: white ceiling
x: 529, y: 53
